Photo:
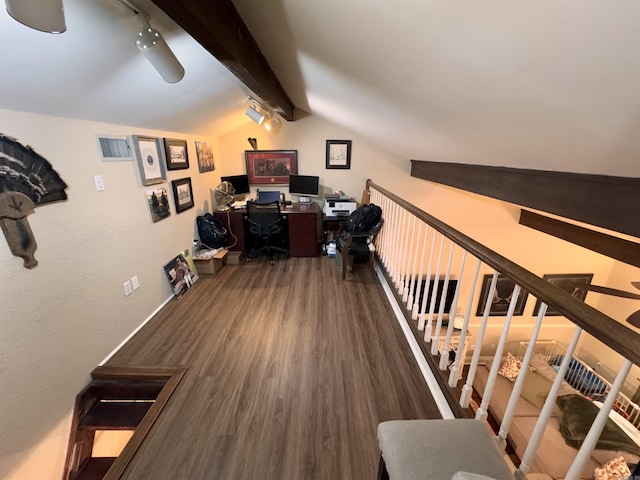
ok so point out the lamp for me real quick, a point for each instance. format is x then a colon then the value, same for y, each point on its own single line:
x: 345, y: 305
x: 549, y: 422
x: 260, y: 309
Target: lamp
x: 253, y: 113
x: 272, y: 123
x: 156, y: 50
x: 46, y: 16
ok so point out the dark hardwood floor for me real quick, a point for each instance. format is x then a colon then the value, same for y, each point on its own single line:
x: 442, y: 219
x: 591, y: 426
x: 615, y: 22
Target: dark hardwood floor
x: 290, y: 370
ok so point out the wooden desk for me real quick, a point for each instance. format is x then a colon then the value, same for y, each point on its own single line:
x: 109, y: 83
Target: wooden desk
x: 305, y: 228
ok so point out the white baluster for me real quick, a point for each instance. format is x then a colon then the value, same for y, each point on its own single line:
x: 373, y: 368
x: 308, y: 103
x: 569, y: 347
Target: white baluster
x: 414, y: 267
x: 416, y: 297
x: 444, y: 355
x: 436, y: 336
x: 425, y: 290
x: 409, y: 271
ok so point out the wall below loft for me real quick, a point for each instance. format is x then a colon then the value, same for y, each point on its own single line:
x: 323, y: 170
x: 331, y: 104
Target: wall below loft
x: 61, y: 319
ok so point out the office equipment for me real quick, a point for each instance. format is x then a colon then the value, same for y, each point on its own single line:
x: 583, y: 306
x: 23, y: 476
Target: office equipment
x: 240, y: 183
x: 304, y: 227
x: 338, y: 206
x: 267, y: 227
x: 304, y: 185
x: 268, y: 196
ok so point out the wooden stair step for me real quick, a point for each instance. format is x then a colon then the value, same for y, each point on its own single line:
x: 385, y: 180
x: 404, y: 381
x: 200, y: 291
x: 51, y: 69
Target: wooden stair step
x: 115, y: 415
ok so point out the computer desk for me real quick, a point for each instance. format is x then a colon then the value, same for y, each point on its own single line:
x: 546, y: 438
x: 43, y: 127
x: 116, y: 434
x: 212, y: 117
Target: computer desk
x: 305, y: 228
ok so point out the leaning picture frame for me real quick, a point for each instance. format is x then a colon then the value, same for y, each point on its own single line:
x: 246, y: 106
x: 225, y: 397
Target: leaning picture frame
x: 176, y: 154
x: 338, y: 154
x: 569, y: 282
x: 149, y: 153
x: 271, y: 167
x: 182, y: 194
x: 501, y: 298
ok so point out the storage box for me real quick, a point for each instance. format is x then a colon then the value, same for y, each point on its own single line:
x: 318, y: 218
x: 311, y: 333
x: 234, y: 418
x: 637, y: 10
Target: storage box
x: 211, y: 266
x: 234, y: 258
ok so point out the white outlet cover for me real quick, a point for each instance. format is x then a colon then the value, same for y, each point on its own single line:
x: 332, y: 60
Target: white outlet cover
x: 98, y: 180
x: 128, y: 289
x: 135, y: 283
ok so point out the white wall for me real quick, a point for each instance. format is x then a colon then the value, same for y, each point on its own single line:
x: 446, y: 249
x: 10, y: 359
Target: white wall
x: 62, y: 318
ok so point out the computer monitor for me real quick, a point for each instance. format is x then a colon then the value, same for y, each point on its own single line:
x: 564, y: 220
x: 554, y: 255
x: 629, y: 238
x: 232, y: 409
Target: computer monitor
x: 304, y: 185
x: 268, y: 196
x: 240, y: 183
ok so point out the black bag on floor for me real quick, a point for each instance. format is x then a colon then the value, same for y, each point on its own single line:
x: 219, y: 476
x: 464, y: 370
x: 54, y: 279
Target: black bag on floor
x: 363, y: 219
x: 211, y: 230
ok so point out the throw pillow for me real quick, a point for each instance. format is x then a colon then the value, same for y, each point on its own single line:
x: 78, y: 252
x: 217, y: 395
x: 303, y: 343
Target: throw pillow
x: 510, y: 368
x: 536, y: 388
x: 616, y: 469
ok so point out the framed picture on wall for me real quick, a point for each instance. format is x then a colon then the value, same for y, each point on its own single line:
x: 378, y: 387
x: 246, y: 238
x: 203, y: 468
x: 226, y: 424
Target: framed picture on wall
x: 176, y: 153
x: 182, y: 194
x: 158, y: 204
x: 338, y: 154
x: 501, y: 297
x: 570, y: 283
x: 271, y: 167
x: 149, y: 154
x: 205, y: 157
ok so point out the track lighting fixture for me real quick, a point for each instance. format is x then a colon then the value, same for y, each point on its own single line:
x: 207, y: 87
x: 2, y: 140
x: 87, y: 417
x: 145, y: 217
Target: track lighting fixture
x: 262, y: 115
x: 271, y: 124
x: 253, y: 113
x: 44, y: 15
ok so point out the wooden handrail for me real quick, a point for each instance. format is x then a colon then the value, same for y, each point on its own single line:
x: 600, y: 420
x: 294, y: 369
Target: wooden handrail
x: 615, y: 335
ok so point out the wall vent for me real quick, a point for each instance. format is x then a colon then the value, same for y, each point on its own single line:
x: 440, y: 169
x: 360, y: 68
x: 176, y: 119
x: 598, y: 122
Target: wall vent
x: 114, y: 148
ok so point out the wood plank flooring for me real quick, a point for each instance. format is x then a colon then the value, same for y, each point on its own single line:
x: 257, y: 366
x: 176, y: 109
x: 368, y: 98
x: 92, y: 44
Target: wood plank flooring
x: 290, y: 370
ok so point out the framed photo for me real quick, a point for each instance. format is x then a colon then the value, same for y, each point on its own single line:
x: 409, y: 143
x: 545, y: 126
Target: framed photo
x: 205, y: 157
x: 149, y: 153
x: 339, y: 154
x: 182, y: 194
x: 271, y: 167
x: 176, y: 154
x: 180, y: 275
x: 566, y: 282
x: 501, y: 297
x: 158, y: 204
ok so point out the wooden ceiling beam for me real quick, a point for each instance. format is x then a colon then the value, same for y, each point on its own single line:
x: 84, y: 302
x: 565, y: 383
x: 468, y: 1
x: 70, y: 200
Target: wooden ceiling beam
x: 218, y: 27
x: 605, y: 201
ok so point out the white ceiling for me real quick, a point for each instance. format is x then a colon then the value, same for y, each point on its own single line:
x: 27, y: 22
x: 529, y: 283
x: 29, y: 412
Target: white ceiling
x: 546, y: 84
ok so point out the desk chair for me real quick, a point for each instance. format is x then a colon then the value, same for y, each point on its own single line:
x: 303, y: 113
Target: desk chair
x: 268, y: 229
x: 357, y: 244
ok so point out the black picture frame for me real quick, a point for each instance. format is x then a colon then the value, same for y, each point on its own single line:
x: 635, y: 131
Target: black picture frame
x: 176, y: 153
x: 565, y: 281
x: 338, y: 154
x: 501, y: 297
x: 182, y: 194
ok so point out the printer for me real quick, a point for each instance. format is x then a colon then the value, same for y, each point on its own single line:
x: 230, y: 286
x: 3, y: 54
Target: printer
x: 338, y: 206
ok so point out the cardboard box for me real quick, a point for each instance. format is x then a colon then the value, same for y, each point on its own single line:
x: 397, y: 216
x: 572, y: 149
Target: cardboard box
x: 234, y: 258
x: 211, y: 266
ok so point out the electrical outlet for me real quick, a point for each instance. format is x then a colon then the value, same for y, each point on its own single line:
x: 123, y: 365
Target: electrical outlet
x: 135, y: 283
x: 97, y: 179
x: 128, y: 289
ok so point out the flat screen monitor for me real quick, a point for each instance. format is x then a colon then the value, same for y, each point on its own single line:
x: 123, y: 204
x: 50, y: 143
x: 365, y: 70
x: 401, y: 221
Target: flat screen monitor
x: 451, y: 290
x: 304, y: 185
x: 268, y: 196
x: 240, y: 183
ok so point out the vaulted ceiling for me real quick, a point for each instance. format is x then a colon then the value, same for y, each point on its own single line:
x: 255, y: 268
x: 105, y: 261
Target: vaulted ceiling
x: 550, y: 84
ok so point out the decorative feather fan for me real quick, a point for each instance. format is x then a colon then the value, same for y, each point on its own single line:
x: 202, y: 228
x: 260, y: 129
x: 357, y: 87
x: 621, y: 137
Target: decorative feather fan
x: 23, y: 170
x: 26, y: 181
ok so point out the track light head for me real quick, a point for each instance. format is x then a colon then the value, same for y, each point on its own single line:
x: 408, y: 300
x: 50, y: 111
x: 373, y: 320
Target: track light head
x: 272, y: 124
x: 255, y: 115
x: 156, y: 50
x: 46, y: 16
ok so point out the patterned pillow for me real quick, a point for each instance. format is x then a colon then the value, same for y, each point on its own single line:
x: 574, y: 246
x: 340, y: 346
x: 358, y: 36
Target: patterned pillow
x: 510, y: 368
x: 616, y: 469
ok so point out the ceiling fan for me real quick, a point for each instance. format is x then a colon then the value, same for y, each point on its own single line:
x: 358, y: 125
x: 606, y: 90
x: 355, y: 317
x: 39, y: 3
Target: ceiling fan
x: 634, y: 318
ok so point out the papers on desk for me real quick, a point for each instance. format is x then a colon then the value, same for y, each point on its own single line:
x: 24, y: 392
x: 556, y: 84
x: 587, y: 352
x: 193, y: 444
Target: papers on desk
x: 239, y: 204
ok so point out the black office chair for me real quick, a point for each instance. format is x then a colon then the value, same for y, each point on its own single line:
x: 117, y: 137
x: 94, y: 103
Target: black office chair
x: 357, y: 244
x: 268, y: 230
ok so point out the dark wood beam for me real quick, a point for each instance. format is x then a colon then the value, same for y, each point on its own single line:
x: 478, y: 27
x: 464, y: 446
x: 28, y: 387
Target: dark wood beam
x: 618, y: 248
x: 606, y: 201
x: 218, y: 27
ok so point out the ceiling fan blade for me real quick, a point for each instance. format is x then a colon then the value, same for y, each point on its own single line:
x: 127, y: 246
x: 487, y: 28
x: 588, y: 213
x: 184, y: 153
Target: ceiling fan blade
x: 634, y: 319
x: 607, y: 291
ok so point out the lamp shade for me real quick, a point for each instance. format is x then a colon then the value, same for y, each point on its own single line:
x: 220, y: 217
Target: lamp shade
x: 156, y: 50
x: 44, y: 15
x: 255, y: 115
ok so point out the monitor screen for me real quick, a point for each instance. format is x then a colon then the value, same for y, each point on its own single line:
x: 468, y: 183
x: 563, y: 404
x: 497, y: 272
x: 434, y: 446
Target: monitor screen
x: 303, y: 184
x: 451, y: 290
x: 268, y: 196
x: 240, y: 183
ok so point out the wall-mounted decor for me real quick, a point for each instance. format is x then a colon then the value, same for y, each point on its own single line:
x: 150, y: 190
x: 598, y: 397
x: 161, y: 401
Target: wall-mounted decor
x: 176, y: 153
x: 158, y: 204
x: 566, y: 282
x: 149, y: 153
x: 180, y: 275
x: 182, y: 194
x: 205, y: 157
x: 339, y: 154
x: 114, y: 148
x: 501, y: 297
x: 271, y: 167
x: 27, y: 181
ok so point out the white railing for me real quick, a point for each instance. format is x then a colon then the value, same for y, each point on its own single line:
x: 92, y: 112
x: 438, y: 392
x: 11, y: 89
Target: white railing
x: 436, y: 272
